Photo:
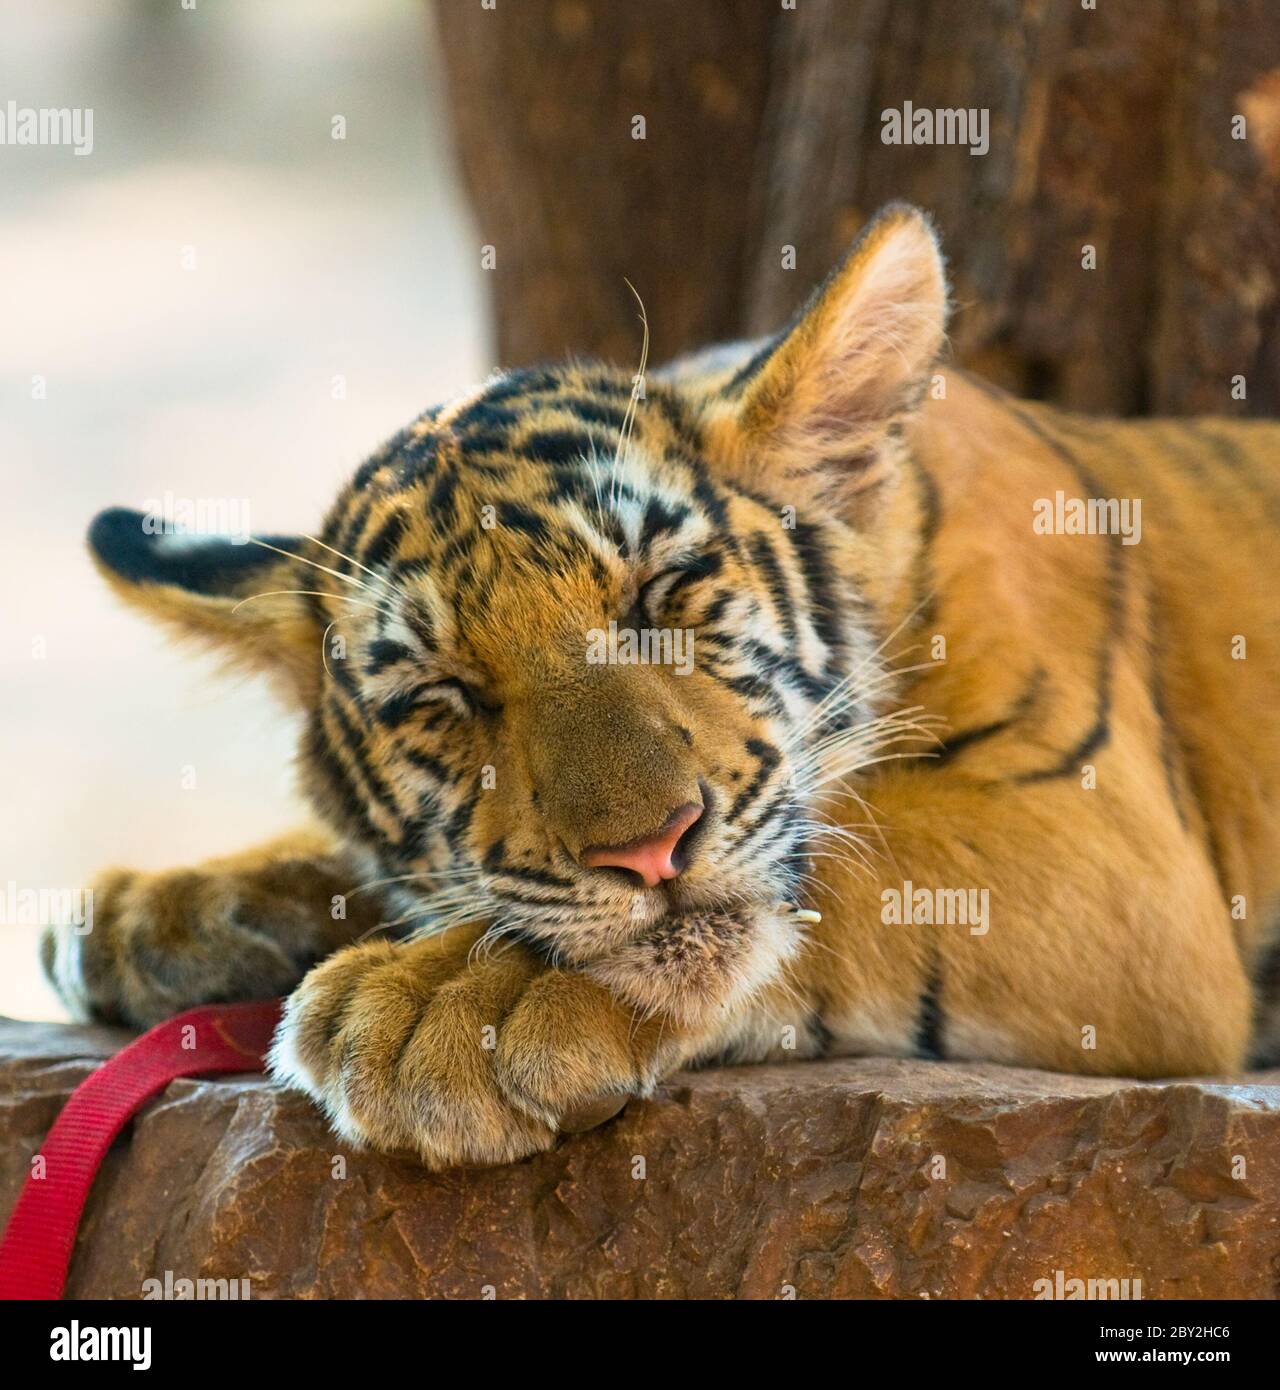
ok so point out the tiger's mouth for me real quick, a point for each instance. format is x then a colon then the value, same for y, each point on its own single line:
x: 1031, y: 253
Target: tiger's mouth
x: 679, y: 899
x: 687, y: 948
x: 713, y: 892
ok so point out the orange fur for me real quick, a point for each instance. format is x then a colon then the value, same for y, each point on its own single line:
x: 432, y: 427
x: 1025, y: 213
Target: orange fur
x: 1057, y: 720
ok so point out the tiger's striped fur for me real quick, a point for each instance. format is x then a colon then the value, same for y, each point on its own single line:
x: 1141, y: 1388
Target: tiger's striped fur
x: 896, y: 680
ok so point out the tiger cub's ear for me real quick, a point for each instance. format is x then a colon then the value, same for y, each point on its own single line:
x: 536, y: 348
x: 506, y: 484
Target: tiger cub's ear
x: 200, y: 585
x: 815, y: 411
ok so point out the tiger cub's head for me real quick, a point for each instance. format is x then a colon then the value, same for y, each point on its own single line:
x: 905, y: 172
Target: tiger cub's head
x: 570, y: 647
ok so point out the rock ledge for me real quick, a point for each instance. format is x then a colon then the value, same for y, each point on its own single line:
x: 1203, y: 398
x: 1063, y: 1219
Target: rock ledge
x: 843, y: 1179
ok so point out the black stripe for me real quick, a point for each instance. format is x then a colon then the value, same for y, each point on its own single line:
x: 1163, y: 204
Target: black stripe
x: 966, y: 738
x: 440, y: 502
x: 603, y: 383
x: 1098, y: 735
x: 347, y: 530
x: 750, y: 687
x: 326, y: 765
x: 660, y: 520
x: 524, y: 382
x: 506, y: 895
x: 482, y: 416
x: 487, y: 442
x: 1179, y: 768
x: 704, y: 566
x: 1170, y: 752
x: 525, y: 874
x: 429, y: 764
x: 564, y: 483
x: 774, y: 810
x: 925, y: 587
x: 417, y: 827
x: 1176, y: 764
x: 820, y: 585
x: 710, y: 500
x: 495, y: 862
x: 671, y: 406
x: 405, y: 705
x: 383, y: 652
x: 1240, y: 465
x: 417, y: 460
x: 563, y: 446
x: 716, y: 609
x: 767, y: 758
x: 766, y: 560
x: 591, y: 411
x: 363, y: 775
x: 382, y: 457
x: 1099, y: 732
x: 812, y: 687
x: 930, y: 1019
x: 754, y: 364
x: 368, y: 470
x: 459, y: 823
x: 384, y: 541
x: 518, y: 518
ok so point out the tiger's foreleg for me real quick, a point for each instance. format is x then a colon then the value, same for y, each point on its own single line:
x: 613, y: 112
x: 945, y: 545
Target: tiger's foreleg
x: 247, y: 926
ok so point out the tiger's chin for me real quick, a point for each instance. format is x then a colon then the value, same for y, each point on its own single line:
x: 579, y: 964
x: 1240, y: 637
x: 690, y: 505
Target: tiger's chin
x: 697, y: 966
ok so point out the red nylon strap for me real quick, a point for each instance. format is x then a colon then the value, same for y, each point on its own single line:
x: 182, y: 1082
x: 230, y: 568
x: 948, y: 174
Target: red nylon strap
x: 37, y: 1245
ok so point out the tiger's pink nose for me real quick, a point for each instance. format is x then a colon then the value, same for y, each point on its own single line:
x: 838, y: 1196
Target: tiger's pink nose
x: 655, y: 858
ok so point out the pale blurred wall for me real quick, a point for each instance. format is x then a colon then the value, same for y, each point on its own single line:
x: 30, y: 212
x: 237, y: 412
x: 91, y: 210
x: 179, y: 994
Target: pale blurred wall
x: 314, y: 258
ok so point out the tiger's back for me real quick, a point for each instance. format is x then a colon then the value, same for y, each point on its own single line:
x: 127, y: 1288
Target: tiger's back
x: 1163, y: 644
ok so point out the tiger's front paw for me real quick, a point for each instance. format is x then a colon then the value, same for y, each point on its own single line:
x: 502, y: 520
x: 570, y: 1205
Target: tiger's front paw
x: 160, y: 943
x: 419, y: 1047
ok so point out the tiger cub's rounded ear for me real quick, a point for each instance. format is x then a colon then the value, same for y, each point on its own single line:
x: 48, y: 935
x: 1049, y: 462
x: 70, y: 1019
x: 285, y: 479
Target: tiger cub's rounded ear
x: 236, y: 593
x: 816, y: 407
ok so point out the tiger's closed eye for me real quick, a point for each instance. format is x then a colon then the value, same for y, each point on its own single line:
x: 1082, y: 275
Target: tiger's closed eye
x: 458, y: 694
x: 658, y: 593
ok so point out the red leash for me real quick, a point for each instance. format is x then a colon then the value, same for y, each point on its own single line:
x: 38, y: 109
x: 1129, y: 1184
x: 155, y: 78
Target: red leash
x: 37, y: 1245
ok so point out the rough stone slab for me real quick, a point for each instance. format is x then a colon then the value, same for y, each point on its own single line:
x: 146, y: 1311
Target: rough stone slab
x: 755, y: 1181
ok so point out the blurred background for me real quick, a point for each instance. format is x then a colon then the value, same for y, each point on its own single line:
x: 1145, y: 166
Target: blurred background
x: 313, y: 258
x: 223, y: 301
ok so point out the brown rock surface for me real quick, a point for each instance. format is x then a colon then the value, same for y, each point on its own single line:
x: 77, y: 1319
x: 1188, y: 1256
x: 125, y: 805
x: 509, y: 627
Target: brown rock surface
x: 748, y: 1183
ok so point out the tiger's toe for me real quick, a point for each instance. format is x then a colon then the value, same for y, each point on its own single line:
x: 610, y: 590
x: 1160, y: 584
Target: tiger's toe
x: 418, y: 1048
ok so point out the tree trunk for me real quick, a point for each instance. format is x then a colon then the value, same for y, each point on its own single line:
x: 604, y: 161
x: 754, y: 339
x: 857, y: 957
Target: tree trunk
x: 545, y: 96
x: 1115, y: 249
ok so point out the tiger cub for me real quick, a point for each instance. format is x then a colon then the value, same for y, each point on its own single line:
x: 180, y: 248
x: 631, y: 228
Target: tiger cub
x: 807, y: 698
